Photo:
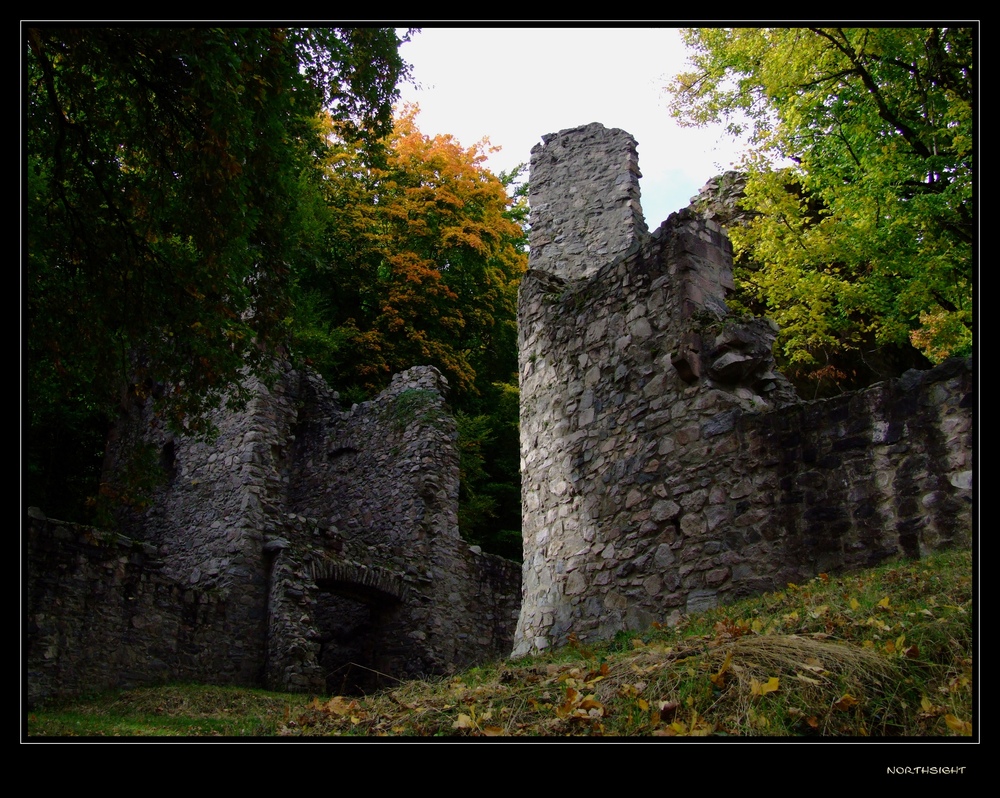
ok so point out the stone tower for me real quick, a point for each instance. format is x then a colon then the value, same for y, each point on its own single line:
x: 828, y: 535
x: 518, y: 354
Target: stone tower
x: 666, y: 465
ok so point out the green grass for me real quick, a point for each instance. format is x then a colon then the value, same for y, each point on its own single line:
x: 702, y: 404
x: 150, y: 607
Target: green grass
x: 169, y: 711
x: 880, y: 653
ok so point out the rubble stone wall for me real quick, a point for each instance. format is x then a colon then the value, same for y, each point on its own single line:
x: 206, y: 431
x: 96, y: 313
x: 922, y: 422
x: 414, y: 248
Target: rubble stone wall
x: 101, y: 614
x: 666, y: 465
x: 306, y: 547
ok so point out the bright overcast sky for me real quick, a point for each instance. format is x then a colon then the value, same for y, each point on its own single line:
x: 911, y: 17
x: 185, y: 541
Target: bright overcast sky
x: 515, y: 85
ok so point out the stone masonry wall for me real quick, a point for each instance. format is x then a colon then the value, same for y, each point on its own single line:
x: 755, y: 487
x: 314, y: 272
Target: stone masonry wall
x: 304, y: 539
x: 372, y: 502
x: 666, y: 465
x: 100, y: 614
x: 581, y: 223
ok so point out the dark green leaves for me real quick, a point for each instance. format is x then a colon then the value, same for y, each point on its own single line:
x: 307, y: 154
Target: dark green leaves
x: 163, y: 189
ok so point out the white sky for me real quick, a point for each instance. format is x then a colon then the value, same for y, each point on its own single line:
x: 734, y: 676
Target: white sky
x: 513, y: 85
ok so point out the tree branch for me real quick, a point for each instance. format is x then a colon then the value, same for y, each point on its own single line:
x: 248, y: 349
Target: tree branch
x: 908, y: 133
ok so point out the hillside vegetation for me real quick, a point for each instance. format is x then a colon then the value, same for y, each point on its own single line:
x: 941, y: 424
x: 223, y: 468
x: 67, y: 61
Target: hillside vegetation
x: 883, y: 653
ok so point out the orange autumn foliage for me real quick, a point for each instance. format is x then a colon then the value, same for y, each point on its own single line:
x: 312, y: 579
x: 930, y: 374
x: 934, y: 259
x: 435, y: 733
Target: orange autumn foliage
x: 424, y: 251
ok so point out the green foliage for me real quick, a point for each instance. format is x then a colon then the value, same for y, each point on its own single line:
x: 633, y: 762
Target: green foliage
x: 864, y: 239
x: 415, y: 406
x: 489, y: 509
x: 164, y: 208
x: 139, y: 472
x: 64, y: 449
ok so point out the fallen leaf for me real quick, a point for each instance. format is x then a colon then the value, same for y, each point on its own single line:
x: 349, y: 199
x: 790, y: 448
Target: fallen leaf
x: 338, y: 706
x: 719, y: 678
x: 757, y: 688
x: 845, y: 702
x: 591, y: 703
x: 956, y: 725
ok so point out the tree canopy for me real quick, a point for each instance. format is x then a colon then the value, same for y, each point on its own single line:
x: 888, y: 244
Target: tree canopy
x: 423, y: 251
x: 860, y: 183
x: 418, y: 258
x: 163, y: 210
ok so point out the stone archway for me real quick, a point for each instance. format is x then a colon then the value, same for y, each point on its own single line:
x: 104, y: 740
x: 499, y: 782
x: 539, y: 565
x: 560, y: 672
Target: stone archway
x: 357, y: 616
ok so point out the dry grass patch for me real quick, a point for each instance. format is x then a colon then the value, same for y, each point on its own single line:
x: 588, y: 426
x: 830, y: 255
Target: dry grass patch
x: 887, y: 652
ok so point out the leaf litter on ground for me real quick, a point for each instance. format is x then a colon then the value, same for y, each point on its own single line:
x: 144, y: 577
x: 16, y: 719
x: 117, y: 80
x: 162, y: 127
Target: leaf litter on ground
x: 887, y: 652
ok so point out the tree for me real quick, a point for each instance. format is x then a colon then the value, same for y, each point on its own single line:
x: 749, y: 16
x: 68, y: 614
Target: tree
x: 864, y: 237
x: 423, y: 250
x: 162, y: 198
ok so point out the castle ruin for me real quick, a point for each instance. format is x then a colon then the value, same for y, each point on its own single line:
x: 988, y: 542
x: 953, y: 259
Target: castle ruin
x: 309, y: 547
x: 667, y: 466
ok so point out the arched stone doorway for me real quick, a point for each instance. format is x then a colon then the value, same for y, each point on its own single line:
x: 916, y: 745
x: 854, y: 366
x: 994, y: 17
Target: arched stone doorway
x: 362, y: 635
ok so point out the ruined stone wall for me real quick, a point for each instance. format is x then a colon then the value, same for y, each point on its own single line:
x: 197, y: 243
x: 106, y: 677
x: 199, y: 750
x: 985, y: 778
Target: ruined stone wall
x: 666, y: 465
x: 99, y: 613
x: 306, y: 547
x: 373, y: 496
x: 209, y: 519
x: 584, y: 195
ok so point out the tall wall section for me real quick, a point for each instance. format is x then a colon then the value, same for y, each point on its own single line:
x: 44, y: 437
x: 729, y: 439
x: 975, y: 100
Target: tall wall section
x: 372, y: 500
x: 666, y: 465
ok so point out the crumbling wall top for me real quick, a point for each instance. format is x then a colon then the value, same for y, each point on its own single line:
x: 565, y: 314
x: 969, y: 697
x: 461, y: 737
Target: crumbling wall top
x: 584, y: 196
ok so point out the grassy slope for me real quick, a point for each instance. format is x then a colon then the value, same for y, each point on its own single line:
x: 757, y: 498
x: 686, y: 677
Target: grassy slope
x: 883, y: 653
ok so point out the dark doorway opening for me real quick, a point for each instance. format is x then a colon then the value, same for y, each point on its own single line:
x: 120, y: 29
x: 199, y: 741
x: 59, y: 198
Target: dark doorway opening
x: 358, y: 631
